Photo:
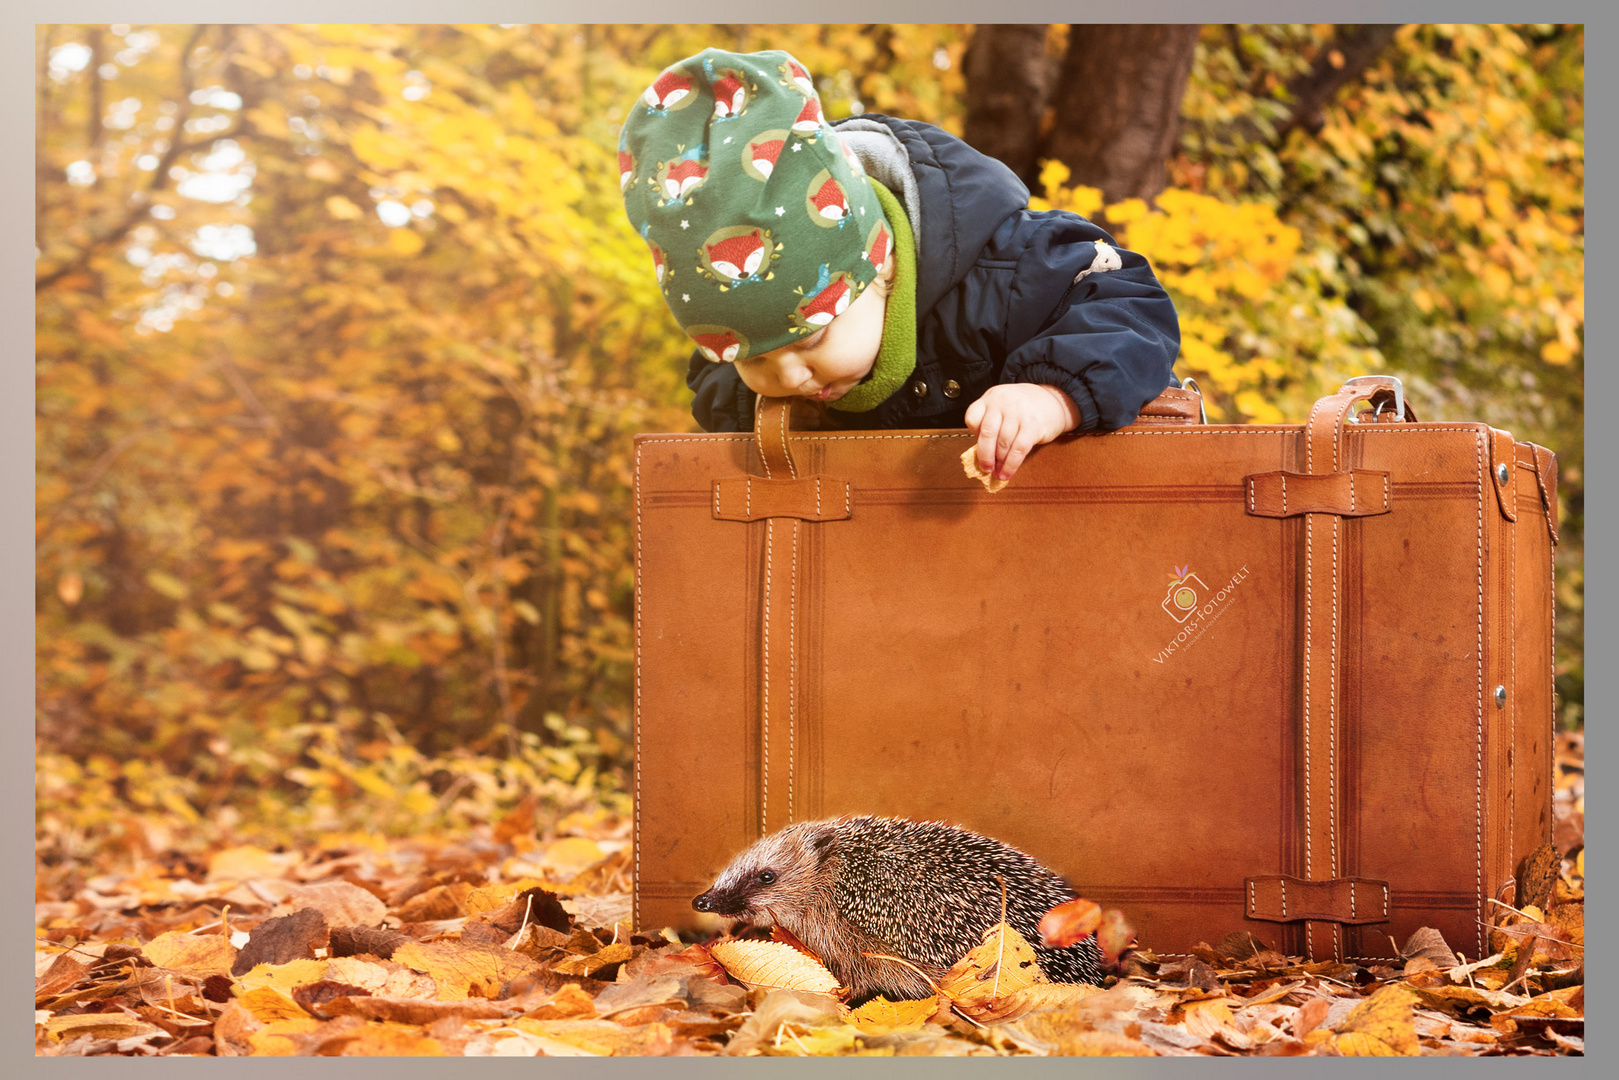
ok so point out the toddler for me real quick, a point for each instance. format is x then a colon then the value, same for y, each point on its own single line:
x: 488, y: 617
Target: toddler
x: 881, y: 267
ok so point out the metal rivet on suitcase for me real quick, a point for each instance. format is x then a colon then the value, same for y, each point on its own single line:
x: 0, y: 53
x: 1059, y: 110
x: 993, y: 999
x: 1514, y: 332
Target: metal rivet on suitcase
x: 1502, y: 473
x: 919, y: 389
x: 1501, y: 691
x: 952, y: 389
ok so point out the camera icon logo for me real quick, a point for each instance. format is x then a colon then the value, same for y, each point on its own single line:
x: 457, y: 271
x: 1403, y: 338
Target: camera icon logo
x: 1185, y: 593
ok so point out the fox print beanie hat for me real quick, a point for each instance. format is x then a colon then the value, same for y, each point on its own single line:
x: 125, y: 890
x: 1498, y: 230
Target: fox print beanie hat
x: 761, y: 223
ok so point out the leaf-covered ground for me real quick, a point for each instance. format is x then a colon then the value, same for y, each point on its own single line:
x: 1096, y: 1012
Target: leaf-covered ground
x: 511, y: 940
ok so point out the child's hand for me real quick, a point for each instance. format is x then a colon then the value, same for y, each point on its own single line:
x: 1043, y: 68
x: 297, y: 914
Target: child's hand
x: 1013, y: 418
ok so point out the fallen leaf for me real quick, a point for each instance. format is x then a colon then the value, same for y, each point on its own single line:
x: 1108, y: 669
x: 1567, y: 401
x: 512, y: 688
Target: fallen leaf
x: 248, y: 862
x: 277, y: 941
x: 1381, y: 1026
x: 1309, y: 1016
x: 1114, y: 935
x: 283, y: 976
x: 1103, y: 1044
x: 64, y: 971
x: 196, y: 954
x: 1428, y: 943
x: 359, y: 940
x: 382, y: 1040
x: 1000, y: 965
x: 773, y: 965
x: 465, y: 970
x: 519, y: 821
x: 108, y: 1025
x: 341, y: 903
x: 267, y: 1004
x: 593, y: 963
x: 1537, y: 873
x: 1070, y: 923
x: 879, y: 1016
x: 568, y: 1003
x: 435, y: 904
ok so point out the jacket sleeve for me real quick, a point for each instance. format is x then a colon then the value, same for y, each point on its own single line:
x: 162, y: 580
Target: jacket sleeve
x: 1108, y: 338
x: 721, y: 402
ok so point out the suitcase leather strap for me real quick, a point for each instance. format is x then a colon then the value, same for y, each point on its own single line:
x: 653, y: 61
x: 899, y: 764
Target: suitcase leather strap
x: 1351, y: 493
x: 1322, y: 572
x: 1282, y: 898
x: 785, y: 500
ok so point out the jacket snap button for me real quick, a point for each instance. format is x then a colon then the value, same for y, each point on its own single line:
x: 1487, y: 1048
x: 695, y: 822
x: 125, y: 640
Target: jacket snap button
x: 919, y: 389
x: 952, y: 389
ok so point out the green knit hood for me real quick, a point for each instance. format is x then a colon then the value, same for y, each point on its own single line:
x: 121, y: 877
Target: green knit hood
x: 761, y: 223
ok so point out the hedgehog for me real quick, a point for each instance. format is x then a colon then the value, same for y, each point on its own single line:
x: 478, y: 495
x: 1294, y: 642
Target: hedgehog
x: 923, y: 891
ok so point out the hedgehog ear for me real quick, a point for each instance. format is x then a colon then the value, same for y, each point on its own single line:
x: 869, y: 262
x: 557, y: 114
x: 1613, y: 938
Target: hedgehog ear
x: 822, y: 844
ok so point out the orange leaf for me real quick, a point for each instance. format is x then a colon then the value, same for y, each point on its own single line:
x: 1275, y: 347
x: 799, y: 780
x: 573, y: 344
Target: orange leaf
x: 1067, y: 924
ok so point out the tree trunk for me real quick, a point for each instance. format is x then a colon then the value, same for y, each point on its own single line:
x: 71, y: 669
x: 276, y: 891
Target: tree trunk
x: 1008, y: 84
x: 1118, y: 105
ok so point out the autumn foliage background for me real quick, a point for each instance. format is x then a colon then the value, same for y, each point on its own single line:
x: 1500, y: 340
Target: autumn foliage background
x: 342, y: 337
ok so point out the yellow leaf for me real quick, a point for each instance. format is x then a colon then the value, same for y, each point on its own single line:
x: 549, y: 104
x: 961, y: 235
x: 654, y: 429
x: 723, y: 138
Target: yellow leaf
x: 879, y: 1016
x: 1001, y: 965
x: 268, y: 1004
x: 405, y: 242
x: 773, y: 964
x: 343, y: 209
x: 591, y: 963
x: 1384, y: 1025
x: 246, y: 863
x: 493, y: 897
x: 199, y: 954
x: 282, y: 976
x: 272, y: 1039
x: 570, y: 855
x: 462, y: 971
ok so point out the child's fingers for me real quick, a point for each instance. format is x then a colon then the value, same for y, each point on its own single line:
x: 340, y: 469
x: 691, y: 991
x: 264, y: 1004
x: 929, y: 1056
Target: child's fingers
x: 1021, y: 445
x: 1005, y: 437
x: 988, y: 435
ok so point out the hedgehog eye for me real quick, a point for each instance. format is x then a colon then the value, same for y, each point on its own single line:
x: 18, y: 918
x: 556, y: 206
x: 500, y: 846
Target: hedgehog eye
x: 767, y: 877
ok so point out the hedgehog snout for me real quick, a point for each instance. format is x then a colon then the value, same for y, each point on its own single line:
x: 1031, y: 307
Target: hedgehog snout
x: 717, y: 902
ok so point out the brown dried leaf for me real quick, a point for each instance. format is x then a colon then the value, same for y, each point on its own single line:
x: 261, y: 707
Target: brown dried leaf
x: 1537, y: 873
x: 341, y: 903
x: 278, y: 941
x: 360, y: 941
x: 64, y: 972
x: 1429, y: 943
x: 774, y: 965
x: 1381, y: 1026
x: 436, y: 904
x: 1070, y: 923
x: 194, y: 954
x: 384, y: 979
x: 595, y: 963
x: 1309, y: 1016
x: 519, y: 821
x: 465, y: 970
x: 568, y: 1003
x: 415, y: 1010
x: 1114, y: 935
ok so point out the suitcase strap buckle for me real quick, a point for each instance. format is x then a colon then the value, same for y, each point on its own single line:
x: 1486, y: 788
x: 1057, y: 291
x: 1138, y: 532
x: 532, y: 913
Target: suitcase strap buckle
x: 1284, y: 898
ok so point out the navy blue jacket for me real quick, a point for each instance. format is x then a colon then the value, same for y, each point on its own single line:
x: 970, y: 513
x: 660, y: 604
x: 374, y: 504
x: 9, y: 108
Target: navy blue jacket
x: 997, y: 302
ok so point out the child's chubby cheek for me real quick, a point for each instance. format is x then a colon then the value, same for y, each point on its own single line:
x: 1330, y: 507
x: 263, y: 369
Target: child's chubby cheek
x: 828, y: 363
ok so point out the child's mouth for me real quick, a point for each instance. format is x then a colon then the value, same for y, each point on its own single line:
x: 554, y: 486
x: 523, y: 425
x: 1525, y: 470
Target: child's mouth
x: 826, y: 393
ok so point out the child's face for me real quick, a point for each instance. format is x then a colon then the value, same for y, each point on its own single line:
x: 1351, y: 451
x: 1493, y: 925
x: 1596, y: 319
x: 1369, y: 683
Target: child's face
x: 827, y: 364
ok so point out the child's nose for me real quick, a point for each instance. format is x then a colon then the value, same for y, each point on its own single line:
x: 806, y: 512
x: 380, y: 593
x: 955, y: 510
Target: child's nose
x: 794, y: 372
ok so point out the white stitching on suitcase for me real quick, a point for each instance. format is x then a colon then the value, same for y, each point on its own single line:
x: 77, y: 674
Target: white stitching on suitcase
x: 635, y: 897
x: 1351, y: 898
x: 1284, y: 493
x: 759, y: 438
x: 1551, y: 680
x: 1512, y: 703
x: 1392, y: 429
x: 749, y: 503
x: 817, y: 498
x: 1351, y: 491
x: 1250, y: 495
x: 764, y: 698
x: 1309, y: 576
x: 1385, y: 902
x: 1284, y: 904
x: 1478, y: 787
x: 1385, y: 491
x: 792, y: 675
x: 1253, y: 907
x: 792, y: 468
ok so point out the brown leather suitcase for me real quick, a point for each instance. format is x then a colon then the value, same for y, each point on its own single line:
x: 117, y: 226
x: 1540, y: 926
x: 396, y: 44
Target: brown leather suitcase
x: 1290, y: 679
